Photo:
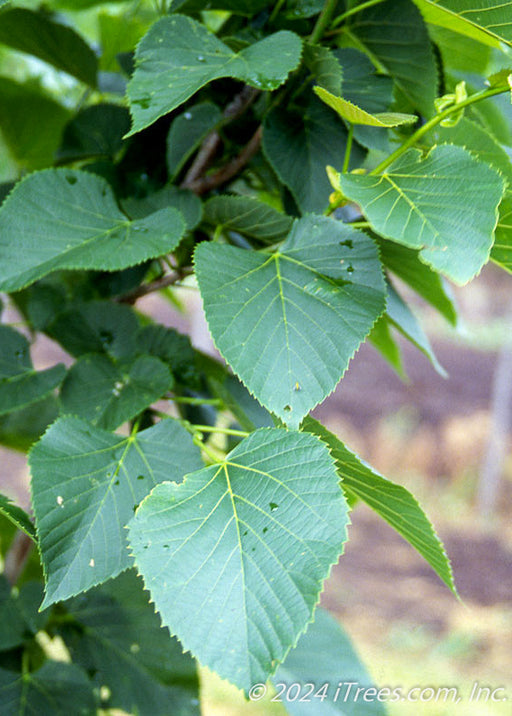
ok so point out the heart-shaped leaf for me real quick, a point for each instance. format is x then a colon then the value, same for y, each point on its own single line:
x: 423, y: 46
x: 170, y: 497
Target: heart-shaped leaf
x: 235, y: 557
x: 303, y: 310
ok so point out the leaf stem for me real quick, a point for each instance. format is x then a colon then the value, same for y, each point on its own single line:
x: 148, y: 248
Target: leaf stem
x: 275, y: 11
x: 196, y: 401
x: 323, y: 21
x: 434, y: 121
x: 221, y: 431
x: 348, y: 148
x: 354, y: 10
x: 214, y: 455
x: 160, y: 283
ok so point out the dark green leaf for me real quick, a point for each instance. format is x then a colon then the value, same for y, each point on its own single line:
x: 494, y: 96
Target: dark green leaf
x: 187, y: 132
x: 108, y: 393
x: 392, y: 502
x: 324, y: 66
x: 404, y: 319
x: 59, y: 45
x: 178, y: 56
x: 242, y: 7
x: 74, y: 223
x: 95, y: 131
x: 13, y: 628
x: 17, y: 516
x: 235, y: 557
x: 187, y: 203
x: 56, y: 689
x: 395, y: 35
x: 86, y: 484
x: 303, y: 311
x: 405, y: 263
x: 20, y: 384
x: 383, y: 340
x: 325, y: 655
x: 96, y: 327
x: 31, y: 123
x: 119, y: 637
x: 247, y: 216
x: 502, y: 250
x: 299, y: 146
x: 21, y: 428
x: 172, y: 348
x: 429, y: 203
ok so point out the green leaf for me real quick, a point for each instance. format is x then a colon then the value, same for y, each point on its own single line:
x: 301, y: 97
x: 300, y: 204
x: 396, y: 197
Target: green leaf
x: 299, y: 145
x: 392, y: 502
x: 355, y: 115
x: 31, y: 123
x: 240, y: 7
x: 325, y: 655
x: 94, y: 131
x: 370, y: 91
x: 501, y: 252
x: 303, y: 311
x: 187, y: 203
x: 405, y: 263
x: 383, y: 340
x: 74, y: 223
x: 20, y: 384
x: 247, y: 216
x: 118, y: 636
x: 56, y: 689
x: 187, y: 132
x: 118, y: 34
x: 488, y: 21
x: 402, y: 317
x: 178, y: 56
x: 21, y: 428
x: 13, y: 627
x: 96, y: 327
x: 86, y: 484
x: 108, y: 393
x: 324, y: 66
x: 59, y: 45
x: 444, y: 204
x: 235, y: 557
x: 172, y: 348
x: 394, y: 35
x: 17, y: 516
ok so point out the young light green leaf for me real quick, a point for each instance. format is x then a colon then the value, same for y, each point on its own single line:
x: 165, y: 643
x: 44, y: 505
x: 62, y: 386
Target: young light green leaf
x: 188, y: 131
x: 20, y: 384
x: 405, y: 264
x: 55, y: 688
x: 356, y: 115
x: 396, y: 38
x: 300, y: 144
x: 74, y: 223
x: 17, y: 516
x: 247, y: 216
x: 235, y: 557
x: 120, y: 638
x: 392, y: 502
x: 429, y: 204
x: 178, y: 56
x: 109, y: 393
x: 303, y: 310
x: 323, y: 653
x: 86, y: 484
x: 488, y: 21
x: 501, y: 252
x: 59, y: 45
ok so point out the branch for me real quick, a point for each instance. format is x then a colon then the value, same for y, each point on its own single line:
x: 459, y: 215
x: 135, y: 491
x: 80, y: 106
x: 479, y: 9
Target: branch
x: 145, y: 289
x: 212, y: 143
x: 229, y: 170
x: 17, y: 556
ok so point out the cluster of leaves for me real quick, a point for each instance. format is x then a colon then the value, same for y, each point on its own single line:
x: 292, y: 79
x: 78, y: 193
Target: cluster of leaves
x: 293, y: 160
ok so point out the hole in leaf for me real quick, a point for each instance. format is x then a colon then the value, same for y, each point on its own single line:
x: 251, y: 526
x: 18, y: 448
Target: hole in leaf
x: 287, y: 409
x: 71, y: 179
x: 273, y: 506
